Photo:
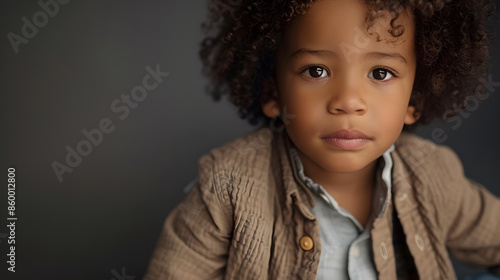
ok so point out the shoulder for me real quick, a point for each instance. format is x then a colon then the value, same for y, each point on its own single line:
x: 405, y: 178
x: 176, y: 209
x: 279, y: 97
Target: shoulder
x: 425, y: 158
x: 242, y: 178
x: 239, y: 155
x: 434, y: 173
x: 244, y: 162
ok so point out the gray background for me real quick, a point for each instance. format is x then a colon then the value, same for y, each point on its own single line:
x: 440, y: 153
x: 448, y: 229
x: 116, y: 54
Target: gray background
x: 107, y: 214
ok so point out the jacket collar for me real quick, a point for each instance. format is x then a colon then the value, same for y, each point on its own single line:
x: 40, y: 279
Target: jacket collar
x: 296, y: 192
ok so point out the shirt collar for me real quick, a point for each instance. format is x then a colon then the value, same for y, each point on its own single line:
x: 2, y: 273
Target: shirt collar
x: 385, y: 174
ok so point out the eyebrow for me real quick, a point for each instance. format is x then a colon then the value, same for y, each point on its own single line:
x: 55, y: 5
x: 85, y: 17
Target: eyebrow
x: 321, y: 53
x: 330, y: 54
x: 381, y: 55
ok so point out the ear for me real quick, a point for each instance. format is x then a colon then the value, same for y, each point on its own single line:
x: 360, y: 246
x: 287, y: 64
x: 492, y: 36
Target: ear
x: 411, y: 115
x: 271, y: 107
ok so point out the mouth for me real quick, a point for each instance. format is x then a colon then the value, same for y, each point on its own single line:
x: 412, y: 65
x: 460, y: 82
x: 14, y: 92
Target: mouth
x: 347, y: 140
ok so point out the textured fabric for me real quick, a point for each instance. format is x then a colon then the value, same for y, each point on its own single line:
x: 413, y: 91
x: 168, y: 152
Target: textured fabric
x: 405, y: 265
x: 249, y: 211
x: 346, y: 244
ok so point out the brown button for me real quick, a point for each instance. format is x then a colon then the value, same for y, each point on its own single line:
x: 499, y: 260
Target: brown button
x: 306, y: 243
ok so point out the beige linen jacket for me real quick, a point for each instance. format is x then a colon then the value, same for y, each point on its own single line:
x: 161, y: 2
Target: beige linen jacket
x: 249, y: 216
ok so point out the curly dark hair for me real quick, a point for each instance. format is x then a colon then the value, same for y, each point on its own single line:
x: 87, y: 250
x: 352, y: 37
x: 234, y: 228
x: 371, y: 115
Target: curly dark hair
x: 451, y: 45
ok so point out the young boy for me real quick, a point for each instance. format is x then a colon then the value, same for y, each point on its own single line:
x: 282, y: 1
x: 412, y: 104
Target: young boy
x: 330, y: 188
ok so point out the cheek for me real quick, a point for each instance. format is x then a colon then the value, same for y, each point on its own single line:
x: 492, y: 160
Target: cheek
x: 307, y: 106
x: 390, y: 114
x: 303, y: 117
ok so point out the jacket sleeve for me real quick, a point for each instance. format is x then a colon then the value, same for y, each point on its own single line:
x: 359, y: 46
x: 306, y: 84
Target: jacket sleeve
x: 196, y: 235
x: 473, y: 231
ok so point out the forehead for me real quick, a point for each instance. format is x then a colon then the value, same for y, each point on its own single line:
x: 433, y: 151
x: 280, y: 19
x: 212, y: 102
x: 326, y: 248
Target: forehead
x: 330, y: 23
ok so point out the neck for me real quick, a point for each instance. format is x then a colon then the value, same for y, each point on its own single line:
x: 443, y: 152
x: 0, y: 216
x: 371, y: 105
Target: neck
x: 341, y: 182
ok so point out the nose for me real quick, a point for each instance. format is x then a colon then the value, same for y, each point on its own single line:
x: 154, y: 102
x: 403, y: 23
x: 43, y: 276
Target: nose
x: 346, y: 99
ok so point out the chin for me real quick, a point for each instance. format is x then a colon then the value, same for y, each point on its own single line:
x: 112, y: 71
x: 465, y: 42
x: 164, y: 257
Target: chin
x: 345, y: 166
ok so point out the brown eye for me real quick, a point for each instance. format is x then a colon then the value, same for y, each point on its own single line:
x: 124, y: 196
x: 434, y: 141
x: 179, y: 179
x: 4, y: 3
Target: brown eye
x: 380, y: 74
x: 316, y: 72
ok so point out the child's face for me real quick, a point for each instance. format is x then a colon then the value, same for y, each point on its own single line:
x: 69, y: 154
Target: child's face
x: 333, y: 76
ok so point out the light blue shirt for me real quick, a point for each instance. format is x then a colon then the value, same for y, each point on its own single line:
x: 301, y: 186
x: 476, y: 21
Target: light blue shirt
x: 346, y: 246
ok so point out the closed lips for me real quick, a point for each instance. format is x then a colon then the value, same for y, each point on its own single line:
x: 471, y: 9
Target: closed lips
x: 346, y: 134
x: 347, y: 140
